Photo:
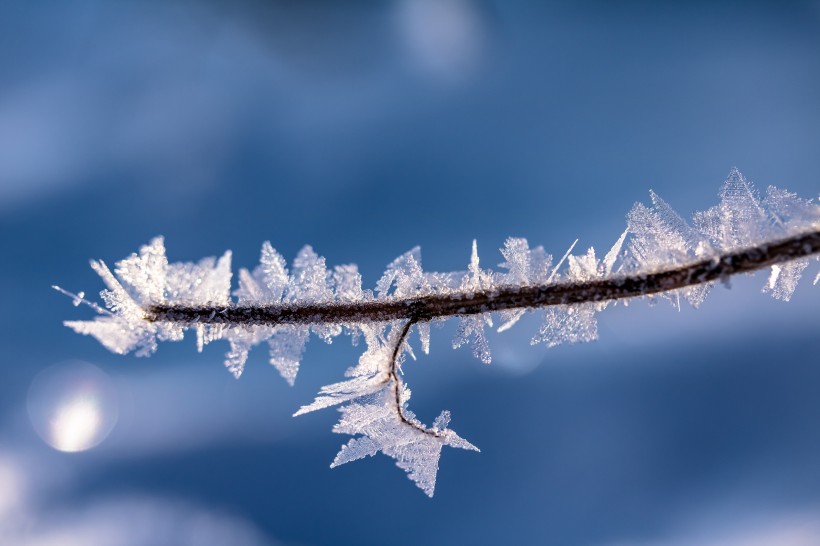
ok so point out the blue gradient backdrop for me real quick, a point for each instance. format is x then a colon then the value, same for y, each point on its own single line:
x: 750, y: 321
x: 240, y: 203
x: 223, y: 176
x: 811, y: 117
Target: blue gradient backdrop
x: 363, y: 129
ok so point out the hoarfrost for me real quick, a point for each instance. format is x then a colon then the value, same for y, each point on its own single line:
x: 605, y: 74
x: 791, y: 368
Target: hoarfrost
x: 114, y: 334
x: 242, y: 339
x: 343, y: 391
x: 267, y: 283
x: 742, y: 219
x: 660, y: 238
x: 415, y: 449
x: 309, y: 283
x: 424, y: 336
x: 473, y: 325
x: 525, y: 267
x: 404, y: 275
x: 568, y: 324
x: 273, y: 271
x: 373, y: 398
x: 376, y: 412
x: 789, y: 214
x: 739, y: 219
x: 348, y: 283
x: 577, y: 323
x: 207, y: 282
x: 368, y: 376
x: 783, y: 279
x: 287, y: 343
x: 144, y: 273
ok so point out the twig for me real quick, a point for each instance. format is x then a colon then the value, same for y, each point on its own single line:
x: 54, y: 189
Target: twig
x: 434, y: 306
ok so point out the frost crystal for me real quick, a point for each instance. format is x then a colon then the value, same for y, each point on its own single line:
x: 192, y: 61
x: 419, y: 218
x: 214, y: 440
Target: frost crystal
x: 146, y: 279
x: 742, y: 219
x: 739, y: 219
x: 405, y: 275
x: 415, y: 450
x: 577, y: 323
x: 660, y: 237
x: 525, y: 267
x: 146, y: 300
x: 376, y: 409
x: 473, y: 325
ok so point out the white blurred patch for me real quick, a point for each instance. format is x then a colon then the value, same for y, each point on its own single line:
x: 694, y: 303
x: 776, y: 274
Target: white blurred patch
x: 444, y: 38
x: 12, y: 487
x: 137, y: 521
x: 76, y: 424
x: 73, y: 406
x: 796, y: 532
x: 737, y: 524
x: 32, y: 514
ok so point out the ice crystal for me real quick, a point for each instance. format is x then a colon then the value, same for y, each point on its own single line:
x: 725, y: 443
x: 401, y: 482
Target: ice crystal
x: 146, y: 279
x: 739, y: 219
x: 743, y: 219
x: 660, y: 237
x: 525, y: 267
x: 373, y: 399
x: 577, y: 323
x: 376, y: 411
x: 473, y: 325
x: 404, y: 275
x: 415, y: 449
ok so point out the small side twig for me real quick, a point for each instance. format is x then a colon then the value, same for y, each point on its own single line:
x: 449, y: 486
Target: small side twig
x: 394, y: 377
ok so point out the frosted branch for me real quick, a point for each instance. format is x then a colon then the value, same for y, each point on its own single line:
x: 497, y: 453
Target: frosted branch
x: 149, y: 300
x: 502, y: 298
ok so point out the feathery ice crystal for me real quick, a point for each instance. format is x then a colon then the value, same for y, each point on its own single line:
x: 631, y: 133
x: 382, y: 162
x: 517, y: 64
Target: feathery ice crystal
x: 148, y: 300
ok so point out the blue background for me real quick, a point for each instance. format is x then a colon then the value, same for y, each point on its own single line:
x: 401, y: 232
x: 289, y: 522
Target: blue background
x: 366, y: 128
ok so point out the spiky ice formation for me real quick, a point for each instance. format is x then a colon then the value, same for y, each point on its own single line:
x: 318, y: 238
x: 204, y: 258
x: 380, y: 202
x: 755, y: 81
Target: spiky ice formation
x: 148, y: 300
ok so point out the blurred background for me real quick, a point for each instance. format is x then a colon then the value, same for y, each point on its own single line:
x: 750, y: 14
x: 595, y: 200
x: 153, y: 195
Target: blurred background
x: 365, y: 128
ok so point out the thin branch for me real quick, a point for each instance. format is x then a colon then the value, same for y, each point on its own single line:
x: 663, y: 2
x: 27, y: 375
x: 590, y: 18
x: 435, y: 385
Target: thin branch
x: 425, y: 308
x: 394, y: 377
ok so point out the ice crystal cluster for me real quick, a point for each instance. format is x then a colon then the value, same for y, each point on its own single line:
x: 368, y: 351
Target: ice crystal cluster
x: 373, y: 399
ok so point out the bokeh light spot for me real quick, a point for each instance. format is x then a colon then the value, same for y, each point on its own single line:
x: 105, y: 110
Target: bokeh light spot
x: 73, y: 406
